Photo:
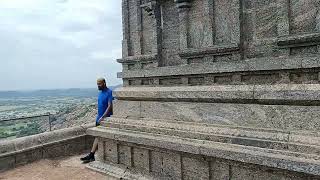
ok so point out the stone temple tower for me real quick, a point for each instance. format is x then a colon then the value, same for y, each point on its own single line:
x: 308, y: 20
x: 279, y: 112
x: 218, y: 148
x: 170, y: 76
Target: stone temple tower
x: 216, y: 89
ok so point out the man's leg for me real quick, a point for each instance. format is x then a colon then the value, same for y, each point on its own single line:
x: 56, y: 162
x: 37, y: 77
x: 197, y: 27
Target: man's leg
x: 94, y: 146
x: 90, y: 156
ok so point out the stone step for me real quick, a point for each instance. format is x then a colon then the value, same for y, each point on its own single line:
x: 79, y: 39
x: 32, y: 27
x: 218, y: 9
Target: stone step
x: 268, y: 134
x: 303, y: 138
x: 118, y: 171
x: 246, y: 141
x: 293, y: 94
x: 291, y: 161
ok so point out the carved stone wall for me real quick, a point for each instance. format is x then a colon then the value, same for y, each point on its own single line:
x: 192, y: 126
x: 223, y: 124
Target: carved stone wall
x: 220, y: 32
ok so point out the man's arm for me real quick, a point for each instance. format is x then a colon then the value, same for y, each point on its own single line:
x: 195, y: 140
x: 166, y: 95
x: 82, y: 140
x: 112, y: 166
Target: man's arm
x: 109, y: 109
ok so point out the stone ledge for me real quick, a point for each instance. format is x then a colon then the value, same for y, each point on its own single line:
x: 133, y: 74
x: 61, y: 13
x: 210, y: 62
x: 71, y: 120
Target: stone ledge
x: 45, y: 145
x: 236, y: 131
x: 299, y: 40
x: 215, y: 50
x: 298, y: 94
x: 130, y: 59
x: 39, y: 140
x: 248, y: 65
x: 271, y: 158
x: 294, y: 141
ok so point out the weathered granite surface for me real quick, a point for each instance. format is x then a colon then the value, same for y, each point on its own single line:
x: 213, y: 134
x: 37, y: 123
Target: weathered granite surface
x: 216, y: 89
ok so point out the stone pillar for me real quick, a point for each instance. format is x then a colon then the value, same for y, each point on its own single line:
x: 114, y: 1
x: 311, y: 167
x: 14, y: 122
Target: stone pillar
x: 284, y: 23
x: 318, y: 23
x: 209, y: 22
x: 318, y: 20
x: 126, y: 29
x: 154, y: 10
x: 183, y: 9
x: 157, y: 35
x: 138, y: 33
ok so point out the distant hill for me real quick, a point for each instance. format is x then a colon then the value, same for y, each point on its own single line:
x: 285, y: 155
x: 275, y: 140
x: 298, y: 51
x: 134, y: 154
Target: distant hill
x: 72, y: 92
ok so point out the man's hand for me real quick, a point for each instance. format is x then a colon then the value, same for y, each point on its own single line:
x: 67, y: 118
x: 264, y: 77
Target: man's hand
x: 101, y: 119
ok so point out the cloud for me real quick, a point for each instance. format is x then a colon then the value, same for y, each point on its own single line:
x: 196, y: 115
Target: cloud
x: 59, y: 43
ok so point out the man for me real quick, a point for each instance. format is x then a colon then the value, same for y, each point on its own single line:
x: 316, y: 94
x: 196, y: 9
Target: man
x: 104, y: 110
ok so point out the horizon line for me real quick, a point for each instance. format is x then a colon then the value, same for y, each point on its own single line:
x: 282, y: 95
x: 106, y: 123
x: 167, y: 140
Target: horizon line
x: 48, y: 89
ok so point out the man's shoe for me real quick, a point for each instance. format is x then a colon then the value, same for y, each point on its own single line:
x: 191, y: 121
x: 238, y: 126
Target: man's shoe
x: 88, y: 158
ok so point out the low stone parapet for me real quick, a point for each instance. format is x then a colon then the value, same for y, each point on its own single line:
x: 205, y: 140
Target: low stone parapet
x: 52, y: 144
x: 133, y: 149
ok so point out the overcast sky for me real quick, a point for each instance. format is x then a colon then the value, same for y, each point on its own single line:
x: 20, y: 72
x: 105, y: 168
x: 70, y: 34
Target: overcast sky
x: 47, y: 44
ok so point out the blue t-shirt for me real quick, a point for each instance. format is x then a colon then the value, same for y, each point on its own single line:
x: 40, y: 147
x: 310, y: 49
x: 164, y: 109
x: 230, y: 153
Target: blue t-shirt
x: 104, y: 99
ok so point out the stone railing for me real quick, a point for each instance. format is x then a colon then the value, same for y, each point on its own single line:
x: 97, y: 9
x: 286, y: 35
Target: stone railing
x: 52, y: 144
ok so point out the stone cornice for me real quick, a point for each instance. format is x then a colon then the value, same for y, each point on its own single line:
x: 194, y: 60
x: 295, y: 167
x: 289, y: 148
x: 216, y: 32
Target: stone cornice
x: 299, y: 40
x: 214, y: 50
x: 182, y: 3
x: 248, y: 65
x: 130, y: 59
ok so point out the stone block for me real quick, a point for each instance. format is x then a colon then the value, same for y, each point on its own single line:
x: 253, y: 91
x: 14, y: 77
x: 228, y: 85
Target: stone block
x: 271, y: 78
x: 195, y: 168
x: 28, y: 156
x: 242, y: 172
x: 303, y: 13
x: 194, y: 93
x: 266, y: 20
x: 55, y: 150
x: 252, y: 115
x: 62, y: 134
x: 227, y: 67
x: 141, y: 159
x: 100, y: 154
x: 310, y: 62
x: 6, y: 147
x: 170, y: 81
x: 111, y: 151
x: 126, y: 108
x: 27, y: 142
x: 125, y: 155
x: 302, y: 117
x: 166, y: 165
x: 227, y: 21
x: 64, y: 148
x: 222, y: 79
x: 275, y: 92
x: 254, y: 172
x: 6, y: 163
x: 219, y: 170
x: 306, y: 149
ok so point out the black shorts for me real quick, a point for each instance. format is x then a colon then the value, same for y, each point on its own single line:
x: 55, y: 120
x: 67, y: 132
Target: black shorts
x: 97, y: 124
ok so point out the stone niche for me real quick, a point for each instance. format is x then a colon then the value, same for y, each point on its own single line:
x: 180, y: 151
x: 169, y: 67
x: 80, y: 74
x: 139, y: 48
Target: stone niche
x: 216, y: 89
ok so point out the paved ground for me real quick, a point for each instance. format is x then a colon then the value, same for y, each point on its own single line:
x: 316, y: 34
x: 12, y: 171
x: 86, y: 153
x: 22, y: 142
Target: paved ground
x: 59, y: 169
